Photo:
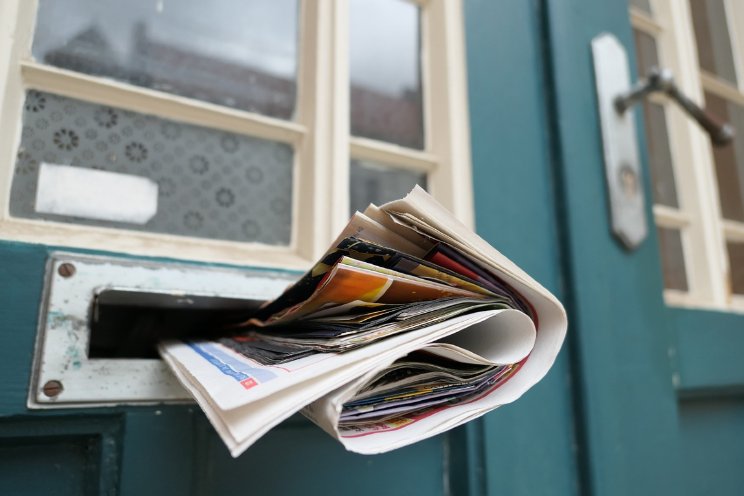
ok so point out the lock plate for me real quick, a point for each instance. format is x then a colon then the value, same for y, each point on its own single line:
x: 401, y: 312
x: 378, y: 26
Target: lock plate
x: 64, y: 375
x: 620, y: 142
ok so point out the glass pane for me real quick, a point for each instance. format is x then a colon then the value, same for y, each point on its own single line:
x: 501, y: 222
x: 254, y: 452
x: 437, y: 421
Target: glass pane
x: 659, y: 155
x: 672, y: 259
x: 211, y: 184
x: 644, y: 5
x: 646, y: 52
x: 373, y: 182
x: 236, y: 53
x: 385, y: 70
x: 712, y: 37
x: 736, y: 266
x: 729, y: 159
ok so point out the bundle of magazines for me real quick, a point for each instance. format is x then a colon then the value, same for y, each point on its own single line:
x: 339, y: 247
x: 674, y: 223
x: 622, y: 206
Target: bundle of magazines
x: 408, y: 326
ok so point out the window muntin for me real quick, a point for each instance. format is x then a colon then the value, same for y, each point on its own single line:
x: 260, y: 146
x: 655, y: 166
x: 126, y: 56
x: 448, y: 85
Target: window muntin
x: 712, y: 21
x: 671, y: 232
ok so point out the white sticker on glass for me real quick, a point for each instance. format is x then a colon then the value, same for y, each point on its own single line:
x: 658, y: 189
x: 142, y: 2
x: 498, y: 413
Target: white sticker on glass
x: 95, y: 194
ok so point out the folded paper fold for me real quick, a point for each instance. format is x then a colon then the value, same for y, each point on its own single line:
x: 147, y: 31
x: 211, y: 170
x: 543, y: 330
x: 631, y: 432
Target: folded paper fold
x: 381, y: 344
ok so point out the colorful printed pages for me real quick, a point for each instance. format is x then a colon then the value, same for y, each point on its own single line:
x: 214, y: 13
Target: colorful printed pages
x: 408, y: 326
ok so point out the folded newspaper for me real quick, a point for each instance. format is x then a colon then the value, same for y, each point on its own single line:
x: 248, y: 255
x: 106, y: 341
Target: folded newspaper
x: 408, y: 326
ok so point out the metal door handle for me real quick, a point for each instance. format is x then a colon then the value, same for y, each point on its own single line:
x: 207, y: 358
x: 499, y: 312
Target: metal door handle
x: 662, y: 80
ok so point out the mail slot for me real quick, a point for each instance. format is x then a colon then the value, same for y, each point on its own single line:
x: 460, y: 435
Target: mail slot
x: 127, y: 323
x: 101, y: 319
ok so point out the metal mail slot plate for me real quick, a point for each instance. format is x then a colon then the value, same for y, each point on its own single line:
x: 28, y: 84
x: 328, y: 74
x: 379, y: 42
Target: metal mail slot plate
x: 64, y: 375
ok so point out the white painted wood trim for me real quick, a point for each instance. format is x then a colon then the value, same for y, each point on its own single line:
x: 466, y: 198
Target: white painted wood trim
x: 313, y: 205
x: 710, y: 262
x: 323, y: 179
x: 733, y: 304
x: 16, y: 25
x: 736, y: 303
x: 724, y: 89
x: 447, y: 106
x: 109, y: 92
x: 691, y: 156
x: 670, y: 217
x: 405, y: 158
x: 643, y: 22
x: 340, y: 125
x: 149, y: 244
x: 20, y: 73
x: 733, y: 231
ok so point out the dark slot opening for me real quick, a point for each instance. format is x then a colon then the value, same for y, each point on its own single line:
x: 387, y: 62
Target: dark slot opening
x: 129, y: 324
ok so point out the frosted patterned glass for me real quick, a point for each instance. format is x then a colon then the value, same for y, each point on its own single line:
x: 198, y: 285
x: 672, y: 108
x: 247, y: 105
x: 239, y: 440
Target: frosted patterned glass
x: 235, y: 53
x: 385, y: 70
x: 373, y: 182
x: 211, y: 184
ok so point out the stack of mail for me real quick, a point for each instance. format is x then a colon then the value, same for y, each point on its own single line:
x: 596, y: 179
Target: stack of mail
x: 408, y: 326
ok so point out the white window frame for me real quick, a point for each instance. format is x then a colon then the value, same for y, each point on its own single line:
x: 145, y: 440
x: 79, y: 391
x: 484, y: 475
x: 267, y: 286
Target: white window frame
x: 319, y: 133
x: 699, y: 219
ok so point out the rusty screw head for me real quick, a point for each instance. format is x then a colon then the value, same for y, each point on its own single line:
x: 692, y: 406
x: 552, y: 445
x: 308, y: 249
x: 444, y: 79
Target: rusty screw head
x: 52, y: 389
x: 66, y: 270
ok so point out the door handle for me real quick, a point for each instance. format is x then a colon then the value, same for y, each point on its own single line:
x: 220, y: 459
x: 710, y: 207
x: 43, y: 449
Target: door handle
x: 662, y: 81
x: 619, y: 141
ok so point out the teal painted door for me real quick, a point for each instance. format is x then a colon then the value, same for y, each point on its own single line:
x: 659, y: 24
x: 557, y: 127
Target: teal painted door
x: 658, y: 389
x: 164, y: 450
x: 608, y: 419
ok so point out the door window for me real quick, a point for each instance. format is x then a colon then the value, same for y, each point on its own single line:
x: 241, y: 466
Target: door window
x: 698, y: 189
x: 260, y: 125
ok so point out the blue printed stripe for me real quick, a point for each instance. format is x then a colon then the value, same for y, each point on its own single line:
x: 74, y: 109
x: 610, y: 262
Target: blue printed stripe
x: 230, y: 365
x: 221, y: 366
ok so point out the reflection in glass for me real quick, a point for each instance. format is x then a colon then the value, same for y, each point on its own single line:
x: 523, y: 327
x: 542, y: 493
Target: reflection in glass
x: 712, y: 37
x: 211, y: 184
x: 659, y: 155
x: 672, y: 259
x: 729, y: 159
x: 237, y: 53
x: 385, y: 71
x: 736, y: 266
x: 646, y: 52
x: 373, y: 182
x: 644, y: 5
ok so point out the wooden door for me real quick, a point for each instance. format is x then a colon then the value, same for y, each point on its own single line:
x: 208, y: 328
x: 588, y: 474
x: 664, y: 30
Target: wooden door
x: 526, y: 448
x: 644, y: 398
x: 658, y: 403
